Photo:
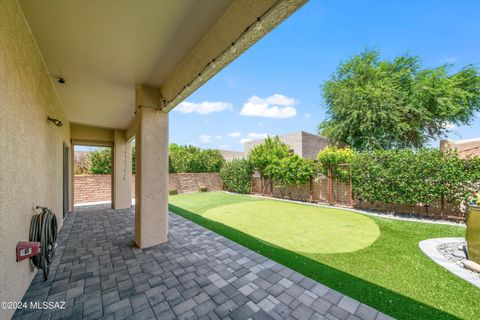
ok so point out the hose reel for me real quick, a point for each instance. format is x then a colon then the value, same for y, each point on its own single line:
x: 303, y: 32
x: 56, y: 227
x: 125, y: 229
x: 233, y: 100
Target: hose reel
x: 43, y: 229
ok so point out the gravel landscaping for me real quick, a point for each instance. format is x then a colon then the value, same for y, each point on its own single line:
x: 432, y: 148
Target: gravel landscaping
x: 455, y: 252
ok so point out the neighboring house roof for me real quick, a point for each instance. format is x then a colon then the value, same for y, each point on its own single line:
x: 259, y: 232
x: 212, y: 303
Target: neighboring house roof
x: 465, y: 148
x: 305, y: 144
x: 473, y: 152
x: 229, y: 155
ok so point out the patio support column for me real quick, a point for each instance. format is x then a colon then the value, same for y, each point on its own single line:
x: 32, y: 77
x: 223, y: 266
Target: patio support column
x: 151, y: 176
x: 122, y: 172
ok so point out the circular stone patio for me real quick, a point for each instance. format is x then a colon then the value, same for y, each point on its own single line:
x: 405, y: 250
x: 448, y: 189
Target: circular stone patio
x: 430, y: 248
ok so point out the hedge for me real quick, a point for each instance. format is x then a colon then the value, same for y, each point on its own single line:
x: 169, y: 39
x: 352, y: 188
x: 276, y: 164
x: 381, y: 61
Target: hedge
x: 414, y: 176
x: 100, y: 161
x: 182, y: 159
x: 236, y: 175
x: 192, y: 159
x: 331, y: 158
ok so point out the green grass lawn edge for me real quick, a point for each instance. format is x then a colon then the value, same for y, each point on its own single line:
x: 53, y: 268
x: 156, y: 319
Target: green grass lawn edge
x: 385, y: 300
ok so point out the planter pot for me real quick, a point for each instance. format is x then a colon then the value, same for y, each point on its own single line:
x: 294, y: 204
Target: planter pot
x: 473, y: 234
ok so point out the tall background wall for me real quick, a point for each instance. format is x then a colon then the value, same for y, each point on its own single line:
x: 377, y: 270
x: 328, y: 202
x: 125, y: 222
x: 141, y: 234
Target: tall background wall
x: 31, y: 149
x: 312, y: 145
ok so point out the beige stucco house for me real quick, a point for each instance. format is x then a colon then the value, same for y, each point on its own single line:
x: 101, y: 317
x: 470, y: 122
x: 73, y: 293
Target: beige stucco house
x: 306, y: 145
x: 465, y: 148
x: 108, y: 72
x: 230, y: 155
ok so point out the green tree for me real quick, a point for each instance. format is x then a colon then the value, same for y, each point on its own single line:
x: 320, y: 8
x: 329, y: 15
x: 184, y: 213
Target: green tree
x: 270, y: 151
x: 382, y: 104
x: 332, y: 157
x: 100, y: 161
x: 290, y: 170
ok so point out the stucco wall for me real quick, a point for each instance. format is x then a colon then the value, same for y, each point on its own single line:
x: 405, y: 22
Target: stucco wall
x: 31, y: 148
x: 91, y: 135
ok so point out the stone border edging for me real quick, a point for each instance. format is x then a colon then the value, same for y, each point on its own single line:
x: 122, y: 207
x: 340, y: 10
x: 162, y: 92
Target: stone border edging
x: 378, y: 215
x: 429, y: 248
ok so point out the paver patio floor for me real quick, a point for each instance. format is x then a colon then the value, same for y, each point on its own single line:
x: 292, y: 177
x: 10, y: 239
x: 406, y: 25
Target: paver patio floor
x: 99, y: 273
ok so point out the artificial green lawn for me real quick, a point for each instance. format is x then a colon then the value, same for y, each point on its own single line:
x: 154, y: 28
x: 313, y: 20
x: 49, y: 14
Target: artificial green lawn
x: 306, y: 231
x: 390, y: 273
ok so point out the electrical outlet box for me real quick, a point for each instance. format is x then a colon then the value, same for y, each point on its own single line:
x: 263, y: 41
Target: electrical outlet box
x: 26, y: 250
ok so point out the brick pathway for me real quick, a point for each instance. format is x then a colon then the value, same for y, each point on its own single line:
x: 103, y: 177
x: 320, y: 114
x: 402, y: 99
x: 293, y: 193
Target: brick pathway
x: 198, y: 274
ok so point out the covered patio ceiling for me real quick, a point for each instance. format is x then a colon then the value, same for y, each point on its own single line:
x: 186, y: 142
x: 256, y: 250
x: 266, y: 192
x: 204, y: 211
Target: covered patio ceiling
x: 103, y: 49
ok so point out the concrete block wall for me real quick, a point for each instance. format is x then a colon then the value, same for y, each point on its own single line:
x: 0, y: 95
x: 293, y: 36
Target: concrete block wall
x: 191, y: 182
x: 98, y: 187
x: 92, y: 187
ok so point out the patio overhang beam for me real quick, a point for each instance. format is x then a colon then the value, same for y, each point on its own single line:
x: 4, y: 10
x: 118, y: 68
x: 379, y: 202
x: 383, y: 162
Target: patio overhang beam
x: 243, y: 24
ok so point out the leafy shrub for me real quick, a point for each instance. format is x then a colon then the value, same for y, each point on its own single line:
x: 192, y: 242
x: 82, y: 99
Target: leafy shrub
x: 290, y: 170
x: 181, y: 159
x: 332, y: 157
x: 274, y: 160
x: 100, y: 161
x: 413, y: 176
x: 192, y: 159
x: 267, y: 153
x: 236, y: 175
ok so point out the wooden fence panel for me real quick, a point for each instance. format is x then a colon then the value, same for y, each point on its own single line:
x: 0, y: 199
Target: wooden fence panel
x: 317, y: 191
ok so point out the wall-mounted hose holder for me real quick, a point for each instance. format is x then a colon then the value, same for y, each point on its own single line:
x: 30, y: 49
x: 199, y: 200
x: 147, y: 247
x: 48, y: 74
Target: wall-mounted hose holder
x: 43, y: 229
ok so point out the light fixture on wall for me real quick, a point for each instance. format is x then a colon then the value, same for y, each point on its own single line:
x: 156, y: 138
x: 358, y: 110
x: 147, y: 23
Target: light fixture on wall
x: 56, y: 122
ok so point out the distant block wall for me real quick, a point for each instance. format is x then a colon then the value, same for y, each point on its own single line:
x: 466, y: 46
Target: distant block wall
x: 98, y: 187
x: 191, y: 182
x: 92, y: 187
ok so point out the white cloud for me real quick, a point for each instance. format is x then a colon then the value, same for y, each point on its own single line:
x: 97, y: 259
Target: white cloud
x: 245, y: 140
x: 218, y: 137
x: 257, y: 136
x: 254, y: 136
x: 449, y: 126
x: 205, y: 138
x: 224, y: 146
x: 275, y: 106
x: 234, y: 134
x: 307, y: 115
x: 205, y: 107
x: 260, y: 124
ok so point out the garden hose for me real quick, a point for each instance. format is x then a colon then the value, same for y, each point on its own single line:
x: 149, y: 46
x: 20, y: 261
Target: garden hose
x: 43, y: 229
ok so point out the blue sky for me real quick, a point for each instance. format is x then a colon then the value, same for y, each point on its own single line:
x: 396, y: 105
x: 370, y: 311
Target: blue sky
x: 287, y: 68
